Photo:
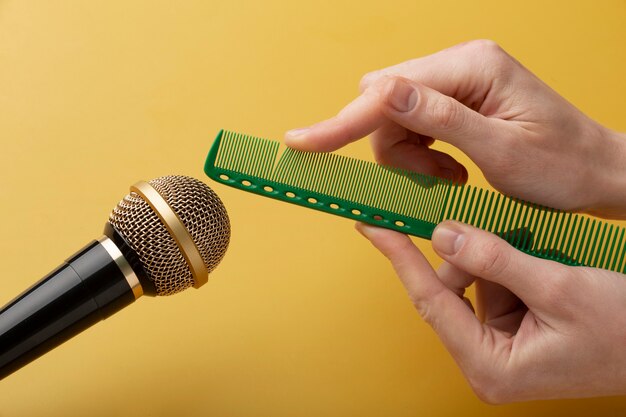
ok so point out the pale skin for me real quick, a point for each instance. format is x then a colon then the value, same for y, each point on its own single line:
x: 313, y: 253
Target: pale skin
x: 539, y: 329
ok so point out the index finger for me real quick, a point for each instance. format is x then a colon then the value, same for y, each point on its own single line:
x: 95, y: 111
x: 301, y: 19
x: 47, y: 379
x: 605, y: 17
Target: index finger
x: 455, y: 324
x: 358, y: 119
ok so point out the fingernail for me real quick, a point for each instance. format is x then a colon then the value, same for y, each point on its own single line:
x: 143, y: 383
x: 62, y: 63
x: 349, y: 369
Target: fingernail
x: 447, y: 240
x: 294, y: 133
x: 403, y: 96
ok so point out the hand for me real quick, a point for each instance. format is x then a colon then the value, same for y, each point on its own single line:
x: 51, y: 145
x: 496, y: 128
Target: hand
x: 529, y: 142
x: 545, y: 330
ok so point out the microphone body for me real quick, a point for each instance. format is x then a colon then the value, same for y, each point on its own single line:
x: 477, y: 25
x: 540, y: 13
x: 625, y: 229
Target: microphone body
x: 90, y: 286
x: 163, y: 237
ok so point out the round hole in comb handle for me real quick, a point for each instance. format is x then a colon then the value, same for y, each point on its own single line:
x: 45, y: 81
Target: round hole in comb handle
x: 290, y: 194
x: 356, y: 212
x: 224, y: 177
x: 334, y: 206
x: 312, y: 200
x: 399, y: 223
x: 378, y: 217
x: 246, y: 183
x: 268, y: 189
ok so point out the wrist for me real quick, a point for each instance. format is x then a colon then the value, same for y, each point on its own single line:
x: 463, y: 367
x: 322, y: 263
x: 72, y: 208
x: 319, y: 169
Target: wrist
x: 610, y: 178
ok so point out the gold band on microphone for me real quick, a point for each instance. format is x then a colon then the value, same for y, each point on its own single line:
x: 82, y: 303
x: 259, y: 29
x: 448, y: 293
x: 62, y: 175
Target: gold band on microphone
x: 122, y: 263
x: 177, y: 230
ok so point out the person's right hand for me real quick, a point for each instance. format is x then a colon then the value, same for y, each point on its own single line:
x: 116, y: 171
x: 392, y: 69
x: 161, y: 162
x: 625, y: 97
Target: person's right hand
x: 542, y: 330
x: 529, y: 142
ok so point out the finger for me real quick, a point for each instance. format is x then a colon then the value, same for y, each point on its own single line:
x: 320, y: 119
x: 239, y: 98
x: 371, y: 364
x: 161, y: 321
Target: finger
x: 487, y: 256
x: 455, y: 324
x: 466, y: 72
x: 392, y: 132
x: 358, y: 119
x: 496, y: 306
x: 428, y: 112
x: 454, y: 278
x: 416, y: 138
x: 394, y: 145
x: 494, y: 301
x: 408, y: 152
x: 413, y: 106
x: 457, y: 281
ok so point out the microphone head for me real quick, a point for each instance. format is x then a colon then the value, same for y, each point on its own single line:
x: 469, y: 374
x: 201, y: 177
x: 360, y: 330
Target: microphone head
x: 200, y: 211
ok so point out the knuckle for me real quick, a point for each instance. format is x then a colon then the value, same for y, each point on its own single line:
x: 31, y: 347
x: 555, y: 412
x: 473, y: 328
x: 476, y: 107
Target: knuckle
x: 381, y: 88
x: 486, y: 45
x: 377, y: 82
x: 485, y: 48
x: 495, y: 259
x: 444, y: 113
x: 422, y: 309
x: 423, y: 303
x: 366, y: 81
x: 385, y: 82
x: 495, y: 60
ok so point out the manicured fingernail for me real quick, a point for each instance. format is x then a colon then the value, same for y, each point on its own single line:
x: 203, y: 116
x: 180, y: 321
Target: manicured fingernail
x: 294, y: 133
x: 447, y: 240
x: 402, y: 96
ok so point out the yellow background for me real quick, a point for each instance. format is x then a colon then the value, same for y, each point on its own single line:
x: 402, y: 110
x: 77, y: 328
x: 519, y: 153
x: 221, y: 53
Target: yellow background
x: 303, y: 317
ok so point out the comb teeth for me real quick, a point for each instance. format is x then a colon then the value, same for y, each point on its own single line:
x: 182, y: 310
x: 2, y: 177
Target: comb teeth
x: 261, y: 154
x: 409, y: 202
x: 556, y: 234
x: 363, y: 183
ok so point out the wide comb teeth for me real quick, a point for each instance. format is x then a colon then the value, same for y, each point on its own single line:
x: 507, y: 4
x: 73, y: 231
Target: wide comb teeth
x: 241, y: 153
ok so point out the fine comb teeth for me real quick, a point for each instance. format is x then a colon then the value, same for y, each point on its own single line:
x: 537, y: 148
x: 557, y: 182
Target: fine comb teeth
x: 409, y: 202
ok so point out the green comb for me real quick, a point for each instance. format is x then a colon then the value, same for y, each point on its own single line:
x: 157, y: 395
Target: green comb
x: 408, y: 202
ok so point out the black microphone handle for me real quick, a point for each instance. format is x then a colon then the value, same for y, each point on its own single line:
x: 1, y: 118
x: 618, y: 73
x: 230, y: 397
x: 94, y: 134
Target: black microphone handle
x: 87, y: 288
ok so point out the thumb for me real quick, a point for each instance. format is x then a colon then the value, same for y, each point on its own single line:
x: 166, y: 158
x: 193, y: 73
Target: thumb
x: 428, y: 112
x: 487, y: 256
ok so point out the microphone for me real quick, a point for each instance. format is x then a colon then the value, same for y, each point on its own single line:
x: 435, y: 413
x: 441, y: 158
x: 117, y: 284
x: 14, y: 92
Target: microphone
x: 165, y: 236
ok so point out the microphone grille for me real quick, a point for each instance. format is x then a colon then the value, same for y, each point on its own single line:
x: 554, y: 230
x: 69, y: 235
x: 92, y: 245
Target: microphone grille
x: 199, y: 209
